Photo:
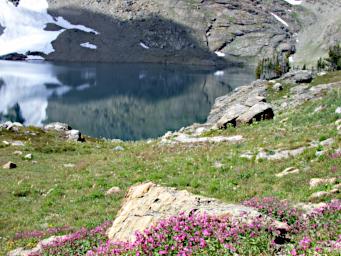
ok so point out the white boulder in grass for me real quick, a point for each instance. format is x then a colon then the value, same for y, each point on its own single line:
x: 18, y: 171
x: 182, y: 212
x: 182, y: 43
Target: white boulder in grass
x: 315, y: 182
x: 9, y: 165
x: 112, y: 191
x: 338, y: 111
x: 287, y: 171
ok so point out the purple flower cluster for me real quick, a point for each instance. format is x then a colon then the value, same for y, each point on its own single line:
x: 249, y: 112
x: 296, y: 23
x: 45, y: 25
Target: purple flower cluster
x: 200, y: 234
x: 192, y: 234
x: 77, y: 243
x: 42, y: 233
x: 280, y: 210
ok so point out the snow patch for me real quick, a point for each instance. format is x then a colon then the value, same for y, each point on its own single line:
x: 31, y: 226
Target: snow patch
x: 143, y: 45
x: 219, y: 73
x: 294, y: 2
x: 82, y: 87
x: 25, y: 24
x: 220, y: 54
x: 89, y: 45
x: 280, y: 19
x: 34, y: 57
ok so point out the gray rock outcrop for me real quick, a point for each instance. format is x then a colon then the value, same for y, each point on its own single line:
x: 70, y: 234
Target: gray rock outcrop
x: 66, y: 130
x: 174, y: 31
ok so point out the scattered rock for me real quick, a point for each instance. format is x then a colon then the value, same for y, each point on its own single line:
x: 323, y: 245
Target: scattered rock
x: 338, y: 110
x: 253, y: 100
x: 280, y: 154
x: 6, y: 143
x: 321, y: 194
x: 247, y: 155
x: 277, y: 87
x: 18, y: 153
x: 231, y: 116
x: 69, y: 133
x: 20, y: 252
x: 9, y: 165
x: 147, y: 203
x: 38, y: 249
x: 28, y: 157
x: 184, y: 138
x: 119, y: 148
x: 59, y: 127
x: 113, y: 190
x: 74, y: 135
x: 301, y: 76
x: 315, y: 182
x: 309, y: 207
x: 319, y: 109
x: 69, y: 165
x: 287, y: 171
x: 320, y: 153
x: 11, y: 126
x: 218, y: 165
x: 258, y: 112
x: 327, y: 142
x: 17, y: 144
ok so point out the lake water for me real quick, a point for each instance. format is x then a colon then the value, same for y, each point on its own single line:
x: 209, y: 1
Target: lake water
x: 123, y: 101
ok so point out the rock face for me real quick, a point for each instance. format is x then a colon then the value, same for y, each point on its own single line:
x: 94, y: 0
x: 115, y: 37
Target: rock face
x: 192, y: 31
x: 146, y: 204
x: 320, y: 28
x: 171, y: 31
x: 298, y: 77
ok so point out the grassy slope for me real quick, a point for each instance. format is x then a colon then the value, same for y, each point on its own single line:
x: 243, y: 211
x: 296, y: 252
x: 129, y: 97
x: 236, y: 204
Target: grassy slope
x: 78, y: 199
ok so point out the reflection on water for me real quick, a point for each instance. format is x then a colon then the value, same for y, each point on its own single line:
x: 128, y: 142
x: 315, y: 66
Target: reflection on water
x: 125, y: 101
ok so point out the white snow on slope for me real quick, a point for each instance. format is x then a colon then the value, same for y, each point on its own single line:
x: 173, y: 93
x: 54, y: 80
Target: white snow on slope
x: 280, y: 19
x: 24, y: 27
x: 89, y: 45
x: 220, y: 54
x: 33, y: 57
x: 24, y: 84
x: 143, y: 45
x: 294, y: 2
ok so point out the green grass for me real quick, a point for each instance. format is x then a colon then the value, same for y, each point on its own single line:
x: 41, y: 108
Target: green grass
x: 46, y: 194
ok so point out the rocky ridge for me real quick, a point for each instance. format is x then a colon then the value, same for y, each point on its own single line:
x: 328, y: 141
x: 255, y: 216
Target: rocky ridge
x: 247, y: 104
x: 192, y: 32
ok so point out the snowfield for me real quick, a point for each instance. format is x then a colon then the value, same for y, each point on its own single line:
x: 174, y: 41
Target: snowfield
x: 24, y: 27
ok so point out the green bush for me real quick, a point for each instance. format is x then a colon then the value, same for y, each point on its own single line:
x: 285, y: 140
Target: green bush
x: 334, y: 57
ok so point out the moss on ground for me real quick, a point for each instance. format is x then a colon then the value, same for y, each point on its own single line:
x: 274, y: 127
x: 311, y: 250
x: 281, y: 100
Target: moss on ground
x: 45, y: 193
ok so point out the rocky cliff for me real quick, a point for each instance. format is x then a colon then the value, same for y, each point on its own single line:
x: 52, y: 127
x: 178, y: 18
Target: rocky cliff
x: 204, y: 32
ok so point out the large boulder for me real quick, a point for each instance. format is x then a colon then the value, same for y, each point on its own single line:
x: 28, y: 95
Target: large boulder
x: 258, y: 112
x: 231, y: 115
x: 146, y: 204
x: 298, y: 77
x: 57, y: 126
x: 68, y: 132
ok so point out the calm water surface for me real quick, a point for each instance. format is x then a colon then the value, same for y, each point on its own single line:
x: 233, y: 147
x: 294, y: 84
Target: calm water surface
x: 124, y: 101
